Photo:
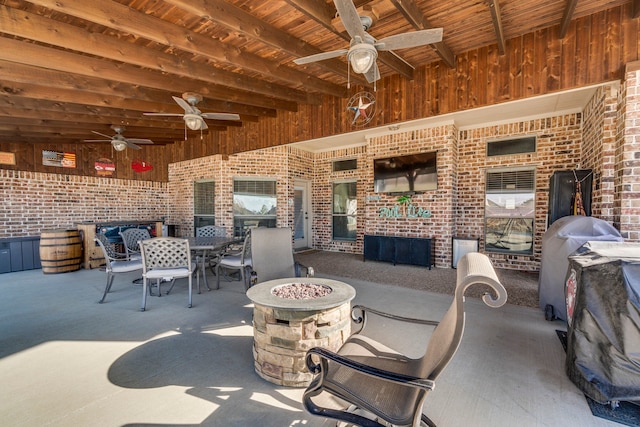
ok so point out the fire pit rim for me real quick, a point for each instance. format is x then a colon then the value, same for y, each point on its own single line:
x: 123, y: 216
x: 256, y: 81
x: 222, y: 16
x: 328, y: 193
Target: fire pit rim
x: 341, y: 293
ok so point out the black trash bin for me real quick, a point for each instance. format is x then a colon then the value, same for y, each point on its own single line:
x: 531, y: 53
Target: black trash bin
x: 603, y: 333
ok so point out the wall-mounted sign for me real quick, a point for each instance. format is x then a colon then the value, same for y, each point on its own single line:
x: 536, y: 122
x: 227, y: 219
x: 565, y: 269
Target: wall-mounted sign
x: 55, y: 158
x: 105, y: 167
x: 362, y: 104
x: 404, y: 209
x: 140, y: 165
x: 7, y: 158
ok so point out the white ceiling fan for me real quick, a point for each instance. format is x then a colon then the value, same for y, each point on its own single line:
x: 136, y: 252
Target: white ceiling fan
x: 193, y: 117
x: 363, y: 49
x: 119, y: 142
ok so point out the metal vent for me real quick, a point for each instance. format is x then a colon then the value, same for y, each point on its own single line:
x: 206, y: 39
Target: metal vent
x: 254, y: 187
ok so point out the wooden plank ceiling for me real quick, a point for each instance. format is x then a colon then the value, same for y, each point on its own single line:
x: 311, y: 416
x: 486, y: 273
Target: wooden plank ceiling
x: 68, y: 68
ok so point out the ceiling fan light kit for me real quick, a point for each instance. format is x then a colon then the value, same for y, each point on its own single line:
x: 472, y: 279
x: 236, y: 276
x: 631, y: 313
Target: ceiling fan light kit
x: 362, y: 56
x: 193, y: 121
x: 119, y: 145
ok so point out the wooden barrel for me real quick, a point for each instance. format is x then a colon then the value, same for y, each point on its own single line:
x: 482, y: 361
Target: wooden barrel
x: 60, y: 251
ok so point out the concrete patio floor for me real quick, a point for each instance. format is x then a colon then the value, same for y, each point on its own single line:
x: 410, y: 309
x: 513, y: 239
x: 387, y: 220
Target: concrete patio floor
x: 66, y: 360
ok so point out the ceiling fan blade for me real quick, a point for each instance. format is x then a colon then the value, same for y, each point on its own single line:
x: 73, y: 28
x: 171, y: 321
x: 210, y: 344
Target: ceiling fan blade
x: 220, y: 116
x: 132, y: 145
x: 185, y: 105
x: 412, y: 39
x: 350, y: 18
x: 138, y: 141
x: 97, y: 140
x: 204, y: 126
x: 321, y: 56
x: 163, y: 114
x: 373, y: 74
x: 102, y: 134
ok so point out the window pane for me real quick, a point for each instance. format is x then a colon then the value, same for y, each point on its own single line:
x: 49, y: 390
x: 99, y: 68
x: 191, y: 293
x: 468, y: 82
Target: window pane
x: 204, y: 194
x: 345, y: 210
x: 255, y: 204
x: 344, y: 227
x: 510, y: 205
x: 509, y: 235
x: 344, y: 198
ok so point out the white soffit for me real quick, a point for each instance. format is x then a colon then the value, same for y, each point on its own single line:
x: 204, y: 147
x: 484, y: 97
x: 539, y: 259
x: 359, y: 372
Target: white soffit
x: 554, y: 104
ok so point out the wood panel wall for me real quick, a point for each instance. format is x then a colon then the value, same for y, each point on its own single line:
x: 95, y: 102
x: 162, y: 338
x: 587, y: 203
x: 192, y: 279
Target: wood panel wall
x: 595, y: 49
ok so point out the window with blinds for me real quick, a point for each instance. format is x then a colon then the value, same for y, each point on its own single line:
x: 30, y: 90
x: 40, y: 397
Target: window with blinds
x: 204, y: 196
x: 510, y: 210
x: 254, y: 204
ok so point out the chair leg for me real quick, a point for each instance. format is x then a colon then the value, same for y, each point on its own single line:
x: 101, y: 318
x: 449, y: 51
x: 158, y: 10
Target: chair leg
x: 107, y: 288
x: 191, y: 289
x: 173, y: 282
x: 144, y: 294
x: 217, y: 276
x: 426, y: 421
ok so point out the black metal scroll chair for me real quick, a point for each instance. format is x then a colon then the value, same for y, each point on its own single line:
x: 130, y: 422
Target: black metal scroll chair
x: 236, y: 262
x: 211, y: 231
x: 380, y: 385
x: 164, y: 259
x: 115, y: 262
x: 130, y: 239
x: 272, y: 255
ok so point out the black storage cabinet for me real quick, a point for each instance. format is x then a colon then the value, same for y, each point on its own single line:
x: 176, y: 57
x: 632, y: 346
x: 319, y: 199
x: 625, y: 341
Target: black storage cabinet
x: 399, y: 250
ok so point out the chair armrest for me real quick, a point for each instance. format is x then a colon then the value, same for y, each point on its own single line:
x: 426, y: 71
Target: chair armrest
x: 309, y: 271
x: 393, y: 377
x: 363, y: 309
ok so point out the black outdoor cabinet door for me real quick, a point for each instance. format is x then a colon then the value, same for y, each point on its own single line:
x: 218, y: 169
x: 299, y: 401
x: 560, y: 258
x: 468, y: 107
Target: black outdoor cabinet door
x: 371, y: 247
x: 562, y: 186
x: 387, y: 249
x: 421, y: 252
x: 403, y: 250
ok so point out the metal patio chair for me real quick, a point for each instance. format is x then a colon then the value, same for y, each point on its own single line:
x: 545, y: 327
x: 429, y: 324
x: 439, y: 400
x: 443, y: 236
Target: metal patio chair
x: 116, y: 262
x: 210, y: 231
x: 380, y: 385
x: 239, y: 262
x: 130, y: 239
x: 272, y: 255
x: 164, y: 259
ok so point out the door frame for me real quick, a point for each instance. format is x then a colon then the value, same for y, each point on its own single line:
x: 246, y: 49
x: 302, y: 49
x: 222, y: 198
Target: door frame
x: 305, y: 186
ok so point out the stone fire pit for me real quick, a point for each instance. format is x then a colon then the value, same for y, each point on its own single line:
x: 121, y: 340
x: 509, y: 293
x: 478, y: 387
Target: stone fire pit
x: 290, y: 316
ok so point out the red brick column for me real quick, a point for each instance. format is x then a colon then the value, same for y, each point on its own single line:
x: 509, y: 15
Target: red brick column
x: 628, y: 157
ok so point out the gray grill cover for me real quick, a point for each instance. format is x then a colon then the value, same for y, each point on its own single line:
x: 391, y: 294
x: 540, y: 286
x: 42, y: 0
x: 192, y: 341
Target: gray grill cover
x: 562, y: 238
x: 603, y: 337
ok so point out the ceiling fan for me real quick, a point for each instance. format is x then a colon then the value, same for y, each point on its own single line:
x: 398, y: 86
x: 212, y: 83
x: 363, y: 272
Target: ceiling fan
x: 193, y: 117
x: 363, y: 49
x: 119, y: 142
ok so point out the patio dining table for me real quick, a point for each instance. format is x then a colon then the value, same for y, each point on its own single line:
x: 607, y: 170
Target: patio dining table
x: 210, y: 245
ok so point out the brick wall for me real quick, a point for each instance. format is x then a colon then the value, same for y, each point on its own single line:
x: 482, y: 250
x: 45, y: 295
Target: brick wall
x: 35, y: 201
x: 627, y: 157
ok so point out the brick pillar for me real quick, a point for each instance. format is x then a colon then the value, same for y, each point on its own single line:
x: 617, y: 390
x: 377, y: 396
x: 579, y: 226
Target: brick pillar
x: 627, y: 177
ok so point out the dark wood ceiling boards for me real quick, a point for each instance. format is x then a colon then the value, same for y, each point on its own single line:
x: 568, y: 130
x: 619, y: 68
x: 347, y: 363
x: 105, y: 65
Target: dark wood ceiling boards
x: 70, y: 67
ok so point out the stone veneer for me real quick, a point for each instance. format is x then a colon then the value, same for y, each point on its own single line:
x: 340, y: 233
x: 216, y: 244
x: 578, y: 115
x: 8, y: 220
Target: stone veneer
x: 282, y: 338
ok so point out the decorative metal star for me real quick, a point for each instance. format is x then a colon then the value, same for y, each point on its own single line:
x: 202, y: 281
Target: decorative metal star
x: 360, y: 110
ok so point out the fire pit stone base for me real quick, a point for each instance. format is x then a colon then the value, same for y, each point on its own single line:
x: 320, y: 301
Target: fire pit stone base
x: 283, y: 337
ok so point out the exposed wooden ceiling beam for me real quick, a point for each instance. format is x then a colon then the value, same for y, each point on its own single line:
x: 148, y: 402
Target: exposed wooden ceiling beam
x: 324, y: 13
x: 567, y: 16
x: 41, y: 58
x: 242, y: 22
x: 636, y: 8
x: 127, y: 20
x: 494, y: 7
x: 414, y: 15
x: 34, y: 27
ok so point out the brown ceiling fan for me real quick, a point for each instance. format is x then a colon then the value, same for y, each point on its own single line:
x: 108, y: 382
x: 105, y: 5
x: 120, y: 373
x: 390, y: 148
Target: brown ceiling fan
x: 193, y: 117
x: 118, y: 141
x: 363, y: 49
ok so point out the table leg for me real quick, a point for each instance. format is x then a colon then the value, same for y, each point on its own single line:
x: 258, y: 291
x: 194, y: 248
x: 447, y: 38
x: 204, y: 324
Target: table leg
x: 203, y: 269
